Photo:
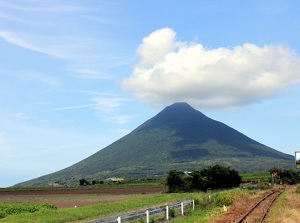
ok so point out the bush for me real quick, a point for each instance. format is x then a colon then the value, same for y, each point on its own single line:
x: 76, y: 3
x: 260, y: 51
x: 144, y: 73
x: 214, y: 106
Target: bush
x: 14, y: 209
x: 201, y: 200
x: 2, y: 214
x: 172, y: 213
x: 263, y: 185
x: 221, y: 199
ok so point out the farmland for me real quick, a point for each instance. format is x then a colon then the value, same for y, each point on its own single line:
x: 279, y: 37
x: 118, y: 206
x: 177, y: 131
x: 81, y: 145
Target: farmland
x: 83, y: 204
x: 91, y: 205
x: 76, y: 197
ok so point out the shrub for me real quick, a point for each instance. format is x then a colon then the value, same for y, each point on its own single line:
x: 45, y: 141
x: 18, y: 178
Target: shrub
x: 201, y: 200
x: 172, y: 213
x: 2, y: 214
x: 14, y: 209
x: 221, y: 199
x: 263, y: 185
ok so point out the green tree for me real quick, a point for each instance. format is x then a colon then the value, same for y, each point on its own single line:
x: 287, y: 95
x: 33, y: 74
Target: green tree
x: 175, y: 181
x: 212, y: 177
x: 83, y: 182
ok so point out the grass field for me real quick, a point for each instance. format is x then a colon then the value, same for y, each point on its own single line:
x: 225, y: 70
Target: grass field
x: 255, y: 176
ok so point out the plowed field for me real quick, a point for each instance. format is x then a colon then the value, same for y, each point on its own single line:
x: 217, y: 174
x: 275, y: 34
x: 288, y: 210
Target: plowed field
x: 72, y: 198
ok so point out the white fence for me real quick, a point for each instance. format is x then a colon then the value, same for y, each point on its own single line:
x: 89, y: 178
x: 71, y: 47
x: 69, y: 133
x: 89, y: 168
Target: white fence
x: 146, y: 213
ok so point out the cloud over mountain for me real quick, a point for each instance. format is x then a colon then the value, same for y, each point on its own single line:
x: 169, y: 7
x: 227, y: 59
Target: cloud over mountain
x: 170, y: 70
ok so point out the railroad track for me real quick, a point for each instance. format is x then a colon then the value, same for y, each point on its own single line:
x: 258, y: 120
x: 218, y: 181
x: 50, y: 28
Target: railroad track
x: 259, y: 211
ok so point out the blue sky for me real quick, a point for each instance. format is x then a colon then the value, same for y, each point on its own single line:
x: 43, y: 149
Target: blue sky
x: 78, y: 75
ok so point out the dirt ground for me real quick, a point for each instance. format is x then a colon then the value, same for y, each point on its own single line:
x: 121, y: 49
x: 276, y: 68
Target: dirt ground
x: 72, y: 198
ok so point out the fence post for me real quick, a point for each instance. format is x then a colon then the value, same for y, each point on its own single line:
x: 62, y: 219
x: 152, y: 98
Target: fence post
x: 119, y: 219
x: 167, y: 213
x: 182, y: 208
x: 193, y: 204
x: 147, y: 216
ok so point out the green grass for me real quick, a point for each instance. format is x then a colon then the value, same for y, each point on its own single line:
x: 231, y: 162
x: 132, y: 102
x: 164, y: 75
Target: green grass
x: 255, y: 176
x: 208, y: 211
x: 93, y: 211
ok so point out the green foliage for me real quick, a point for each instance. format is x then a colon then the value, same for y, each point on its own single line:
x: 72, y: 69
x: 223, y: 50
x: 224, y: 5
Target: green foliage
x: 288, y: 176
x: 172, y: 213
x: 201, y: 199
x: 263, y: 185
x: 298, y: 189
x: 2, y: 214
x: 175, y: 181
x: 212, y: 177
x: 215, y: 177
x: 15, y: 209
x: 255, y: 176
x: 83, y: 182
x: 221, y: 199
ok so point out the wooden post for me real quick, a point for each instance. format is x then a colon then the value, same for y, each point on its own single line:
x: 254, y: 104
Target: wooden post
x: 193, y: 204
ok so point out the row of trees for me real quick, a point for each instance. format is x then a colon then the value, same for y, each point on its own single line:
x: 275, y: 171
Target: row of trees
x: 212, y: 177
x: 84, y: 182
x: 285, y: 176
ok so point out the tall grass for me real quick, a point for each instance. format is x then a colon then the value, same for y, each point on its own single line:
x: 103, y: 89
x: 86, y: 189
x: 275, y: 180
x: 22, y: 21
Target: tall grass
x: 209, y: 209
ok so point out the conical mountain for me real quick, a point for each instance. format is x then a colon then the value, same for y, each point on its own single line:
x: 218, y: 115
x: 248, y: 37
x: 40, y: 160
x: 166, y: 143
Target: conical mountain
x: 179, y: 137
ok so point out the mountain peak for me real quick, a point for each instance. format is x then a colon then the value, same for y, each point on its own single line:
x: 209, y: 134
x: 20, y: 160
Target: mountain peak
x: 179, y: 113
x: 179, y: 107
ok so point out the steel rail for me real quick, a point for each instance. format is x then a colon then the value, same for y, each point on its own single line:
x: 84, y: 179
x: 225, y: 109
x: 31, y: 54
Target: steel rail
x: 265, y: 213
x: 257, y: 204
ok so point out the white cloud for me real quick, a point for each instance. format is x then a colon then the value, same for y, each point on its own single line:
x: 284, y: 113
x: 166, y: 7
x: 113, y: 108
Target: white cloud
x: 21, y: 116
x: 88, y: 73
x: 171, y: 71
x: 72, y: 107
x: 103, y: 104
x: 120, y: 119
x: 161, y: 41
x: 61, y: 46
x: 40, y: 77
x: 108, y: 109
